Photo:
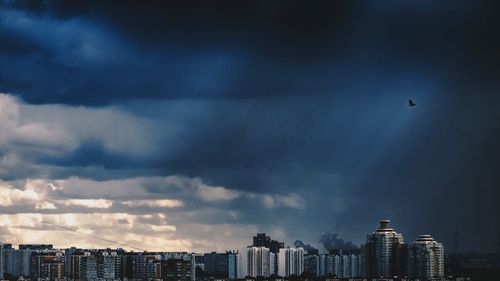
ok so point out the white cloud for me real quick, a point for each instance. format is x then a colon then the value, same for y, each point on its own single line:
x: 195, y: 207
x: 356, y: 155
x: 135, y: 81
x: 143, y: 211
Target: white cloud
x: 33, y: 193
x: 89, y: 203
x: 24, y: 228
x: 17, y: 132
x: 163, y: 203
x: 215, y: 193
x: 168, y: 222
x: 45, y: 206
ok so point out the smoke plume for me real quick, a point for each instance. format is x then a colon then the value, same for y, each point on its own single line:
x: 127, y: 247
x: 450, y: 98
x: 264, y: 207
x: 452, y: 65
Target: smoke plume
x: 307, y: 247
x: 331, y: 241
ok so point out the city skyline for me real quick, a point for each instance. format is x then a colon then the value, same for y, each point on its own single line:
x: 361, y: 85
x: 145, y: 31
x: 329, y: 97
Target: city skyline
x: 187, y: 126
x: 334, y: 242
x: 383, y: 255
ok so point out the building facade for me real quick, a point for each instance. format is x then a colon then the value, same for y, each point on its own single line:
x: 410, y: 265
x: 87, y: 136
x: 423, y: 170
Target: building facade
x: 426, y: 259
x: 262, y: 240
x: 290, y: 262
x: 384, y: 253
x: 254, y: 262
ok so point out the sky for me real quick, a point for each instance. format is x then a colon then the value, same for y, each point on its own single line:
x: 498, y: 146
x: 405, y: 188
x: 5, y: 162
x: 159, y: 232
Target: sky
x: 193, y: 126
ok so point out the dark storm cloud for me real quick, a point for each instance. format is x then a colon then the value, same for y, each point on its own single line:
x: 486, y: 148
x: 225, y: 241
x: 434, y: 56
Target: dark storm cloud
x: 104, y: 52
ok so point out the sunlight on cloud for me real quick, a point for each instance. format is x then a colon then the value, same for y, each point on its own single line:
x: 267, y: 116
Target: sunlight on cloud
x: 11, y: 196
x: 163, y: 203
x: 89, y: 203
x: 100, y: 225
x: 45, y: 206
x: 209, y: 193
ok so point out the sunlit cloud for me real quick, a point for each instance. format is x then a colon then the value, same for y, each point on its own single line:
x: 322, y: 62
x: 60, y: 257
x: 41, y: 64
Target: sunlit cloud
x: 163, y: 203
x: 89, y: 203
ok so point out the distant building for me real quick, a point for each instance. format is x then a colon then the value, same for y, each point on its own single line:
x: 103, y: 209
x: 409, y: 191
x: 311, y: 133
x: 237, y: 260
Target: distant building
x: 189, y: 263
x: 84, y: 266
x: 254, y: 262
x: 273, y: 263
x: 291, y: 262
x: 426, y: 259
x: 177, y: 269
x: 220, y: 265
x: 232, y: 260
x: 2, y: 261
x: 383, y: 253
x: 68, y: 264
x: 106, y: 265
x: 347, y: 266
x: 36, y: 247
x: 24, y: 256
x: 47, y: 265
x: 311, y: 265
x: 323, y: 265
x: 261, y: 240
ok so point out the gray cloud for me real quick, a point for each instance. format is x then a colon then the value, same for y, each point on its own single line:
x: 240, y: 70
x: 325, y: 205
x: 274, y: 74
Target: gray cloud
x: 324, y: 174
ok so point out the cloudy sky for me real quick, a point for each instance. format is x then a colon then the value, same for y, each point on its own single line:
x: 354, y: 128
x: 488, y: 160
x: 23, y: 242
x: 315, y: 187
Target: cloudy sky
x: 193, y: 126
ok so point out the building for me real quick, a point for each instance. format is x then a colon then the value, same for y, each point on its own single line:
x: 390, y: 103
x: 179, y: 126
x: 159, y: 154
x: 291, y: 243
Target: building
x: 311, y: 265
x: 24, y: 256
x: 273, y: 263
x: 47, y: 265
x: 323, y: 265
x: 383, y: 253
x: 347, y: 265
x: 25, y: 252
x: 188, y: 258
x: 261, y: 240
x: 254, y: 262
x: 232, y: 260
x: 154, y: 264
x: 426, y: 259
x: 2, y: 261
x: 216, y: 265
x: 106, y: 265
x: 67, y: 254
x: 290, y: 262
x: 177, y: 269
x: 10, y: 266
x: 36, y: 247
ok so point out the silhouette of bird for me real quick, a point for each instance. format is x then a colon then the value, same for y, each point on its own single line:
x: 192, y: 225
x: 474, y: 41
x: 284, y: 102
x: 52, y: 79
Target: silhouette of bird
x: 411, y: 103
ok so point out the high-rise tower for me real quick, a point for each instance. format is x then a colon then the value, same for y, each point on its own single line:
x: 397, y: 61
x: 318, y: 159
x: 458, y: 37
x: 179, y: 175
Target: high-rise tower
x: 254, y: 262
x: 426, y: 259
x: 291, y: 262
x: 383, y: 253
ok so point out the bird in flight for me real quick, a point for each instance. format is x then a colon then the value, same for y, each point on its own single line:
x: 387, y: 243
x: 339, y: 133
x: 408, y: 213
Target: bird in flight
x: 411, y: 103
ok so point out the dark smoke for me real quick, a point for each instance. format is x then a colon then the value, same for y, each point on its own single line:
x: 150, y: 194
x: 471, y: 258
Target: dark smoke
x: 331, y: 241
x: 307, y: 247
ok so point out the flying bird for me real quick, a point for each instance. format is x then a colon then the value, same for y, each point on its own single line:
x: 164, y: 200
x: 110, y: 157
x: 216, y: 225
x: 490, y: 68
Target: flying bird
x: 411, y: 103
